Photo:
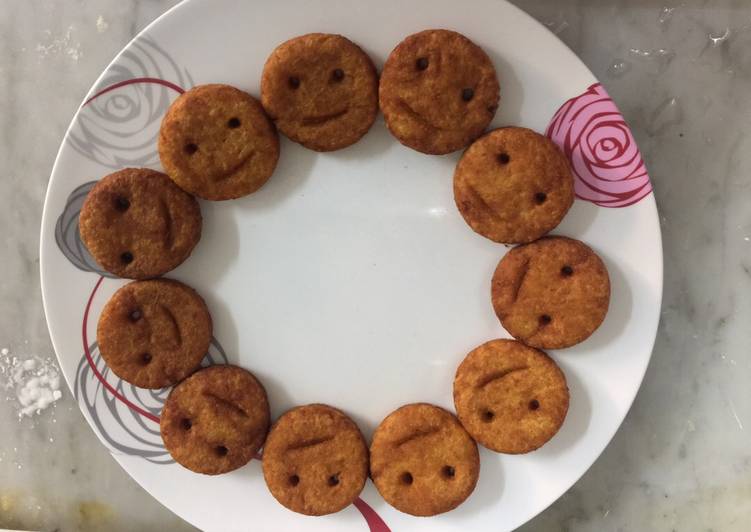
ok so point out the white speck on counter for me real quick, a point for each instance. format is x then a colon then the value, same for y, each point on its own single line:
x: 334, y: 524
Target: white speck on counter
x: 60, y: 45
x: 661, y: 57
x: 666, y: 13
x: 618, y: 68
x: 720, y: 37
x: 556, y: 25
x: 101, y: 24
x: 731, y: 404
x: 34, y: 381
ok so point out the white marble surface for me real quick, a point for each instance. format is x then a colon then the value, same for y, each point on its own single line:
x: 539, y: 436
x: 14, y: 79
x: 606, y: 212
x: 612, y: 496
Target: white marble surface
x: 681, y: 73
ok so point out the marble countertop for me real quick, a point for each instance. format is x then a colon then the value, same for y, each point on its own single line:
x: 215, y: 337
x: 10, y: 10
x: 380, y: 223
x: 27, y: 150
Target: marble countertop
x: 681, y: 74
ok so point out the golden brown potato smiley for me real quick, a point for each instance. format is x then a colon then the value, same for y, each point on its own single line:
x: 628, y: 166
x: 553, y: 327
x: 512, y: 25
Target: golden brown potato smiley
x: 438, y: 91
x: 215, y: 420
x: 321, y: 90
x: 422, y: 461
x: 216, y: 142
x: 513, y: 185
x: 315, y: 461
x: 551, y: 293
x: 138, y: 224
x: 154, y: 333
x: 511, y: 398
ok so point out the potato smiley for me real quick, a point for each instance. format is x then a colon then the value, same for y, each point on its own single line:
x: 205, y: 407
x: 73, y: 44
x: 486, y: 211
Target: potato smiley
x: 321, y: 90
x: 315, y: 461
x: 438, y: 91
x: 511, y: 398
x: 551, y: 293
x: 422, y: 461
x: 215, y: 420
x: 138, y: 224
x: 217, y: 143
x: 154, y: 333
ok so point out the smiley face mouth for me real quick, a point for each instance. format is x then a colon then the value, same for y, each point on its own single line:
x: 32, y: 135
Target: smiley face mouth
x: 322, y: 119
x: 169, y: 237
x: 498, y: 375
x: 417, y: 435
x: 417, y: 117
x: 232, y: 171
x: 473, y: 197
x: 310, y: 443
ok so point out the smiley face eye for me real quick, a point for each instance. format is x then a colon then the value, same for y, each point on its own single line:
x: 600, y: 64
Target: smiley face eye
x: 135, y: 315
x: 333, y: 480
x: 468, y: 94
x: 337, y: 75
x: 293, y: 480
x: 121, y: 203
x: 294, y: 82
x: 567, y: 271
x: 406, y: 478
x: 126, y: 257
x: 534, y: 404
x: 191, y: 148
x: 422, y: 63
x: 233, y: 123
x: 540, y: 198
x: 221, y: 450
x: 448, y: 472
x: 504, y: 158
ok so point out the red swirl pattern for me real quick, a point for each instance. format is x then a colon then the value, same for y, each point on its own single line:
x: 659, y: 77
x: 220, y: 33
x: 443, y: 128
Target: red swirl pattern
x: 608, y: 168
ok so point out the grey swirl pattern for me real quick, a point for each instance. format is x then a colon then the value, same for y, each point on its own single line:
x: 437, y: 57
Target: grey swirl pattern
x: 124, y: 429
x: 119, y: 128
x: 68, y: 236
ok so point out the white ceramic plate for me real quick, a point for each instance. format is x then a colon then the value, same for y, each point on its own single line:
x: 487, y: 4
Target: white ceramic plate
x: 350, y: 278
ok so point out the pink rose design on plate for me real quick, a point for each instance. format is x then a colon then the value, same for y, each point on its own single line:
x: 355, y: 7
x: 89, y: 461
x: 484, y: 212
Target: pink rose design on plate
x: 608, y: 168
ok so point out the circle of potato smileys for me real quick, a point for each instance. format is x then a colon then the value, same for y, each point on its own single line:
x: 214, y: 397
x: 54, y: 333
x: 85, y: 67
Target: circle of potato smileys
x: 438, y: 91
x: 216, y: 420
x: 216, y: 142
x: 137, y: 223
x: 154, y: 333
x: 315, y: 461
x: 422, y: 461
x: 321, y: 90
x: 511, y: 398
